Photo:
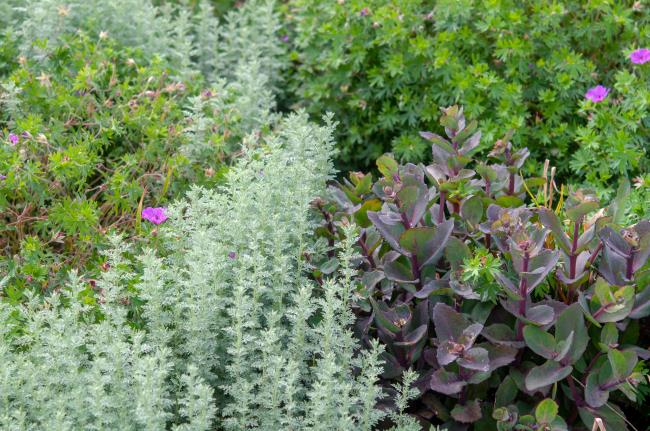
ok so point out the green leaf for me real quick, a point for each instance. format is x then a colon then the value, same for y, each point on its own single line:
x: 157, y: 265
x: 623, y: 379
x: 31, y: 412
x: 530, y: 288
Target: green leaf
x: 546, y: 374
x: 581, y: 210
x: 563, y: 347
x: 539, y: 315
x: 506, y: 392
x: 448, y: 322
x: 330, y: 266
x: 509, y: 201
x: 364, y: 185
x: 472, y: 210
x: 611, y: 415
x: 388, y: 225
x: 618, y: 301
x: 608, y: 336
x: 594, y: 396
x: 540, y: 342
x: 438, y: 243
x: 413, y: 337
x: 398, y: 268
x: 546, y: 411
x: 438, y: 141
x: 456, y: 252
x: 387, y: 166
x: 385, y: 317
x: 361, y: 215
x: 622, y: 363
x: 418, y: 241
x: 475, y: 358
x: 551, y: 221
x: 618, y: 206
x: 618, y: 364
x: 446, y: 382
x: 571, y: 321
x: 468, y: 413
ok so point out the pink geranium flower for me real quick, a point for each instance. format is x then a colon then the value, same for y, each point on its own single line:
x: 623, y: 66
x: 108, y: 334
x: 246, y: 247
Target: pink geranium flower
x: 640, y: 56
x: 597, y: 94
x: 154, y: 215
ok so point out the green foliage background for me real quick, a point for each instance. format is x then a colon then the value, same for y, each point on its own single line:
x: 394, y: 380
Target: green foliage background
x: 386, y: 67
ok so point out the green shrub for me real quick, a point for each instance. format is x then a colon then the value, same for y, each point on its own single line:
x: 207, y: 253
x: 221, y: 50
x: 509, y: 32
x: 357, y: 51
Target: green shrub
x: 385, y: 67
x: 515, y: 316
x: 97, y: 132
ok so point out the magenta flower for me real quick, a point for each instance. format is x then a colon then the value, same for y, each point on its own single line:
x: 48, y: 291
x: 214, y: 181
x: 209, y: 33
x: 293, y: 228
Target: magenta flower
x: 13, y: 138
x: 3, y: 177
x: 154, y: 215
x: 597, y: 94
x: 640, y: 56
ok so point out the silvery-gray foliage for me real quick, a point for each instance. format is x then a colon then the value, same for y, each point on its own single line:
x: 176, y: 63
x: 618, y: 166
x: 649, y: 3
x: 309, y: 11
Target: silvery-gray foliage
x: 219, y: 118
x: 189, y: 41
x: 134, y: 23
x: 233, y: 334
x: 68, y: 365
x: 252, y: 33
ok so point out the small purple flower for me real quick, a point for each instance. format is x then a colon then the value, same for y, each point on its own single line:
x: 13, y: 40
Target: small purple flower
x: 640, y: 56
x: 154, y: 215
x: 3, y: 177
x: 13, y: 138
x: 597, y: 94
x: 285, y: 38
x: 232, y: 255
x: 364, y: 12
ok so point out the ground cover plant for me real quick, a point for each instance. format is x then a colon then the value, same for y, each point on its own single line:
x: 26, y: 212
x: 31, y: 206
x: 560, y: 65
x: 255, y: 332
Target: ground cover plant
x: 516, y: 315
x: 386, y: 67
x: 94, y: 131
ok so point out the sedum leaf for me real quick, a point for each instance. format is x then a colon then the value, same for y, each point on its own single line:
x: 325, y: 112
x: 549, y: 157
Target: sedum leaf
x: 546, y: 411
x: 546, y: 374
x: 540, y: 342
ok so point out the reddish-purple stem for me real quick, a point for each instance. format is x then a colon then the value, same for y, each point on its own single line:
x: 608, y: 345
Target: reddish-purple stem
x: 575, y: 393
x: 630, y: 265
x: 441, y: 210
x: 594, y: 255
x: 573, y: 256
x: 511, y: 184
x: 601, y: 310
x: 366, y: 251
x: 523, y: 292
x: 591, y: 365
x: 412, y: 256
x: 330, y: 228
x: 613, y: 384
x: 488, y: 237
